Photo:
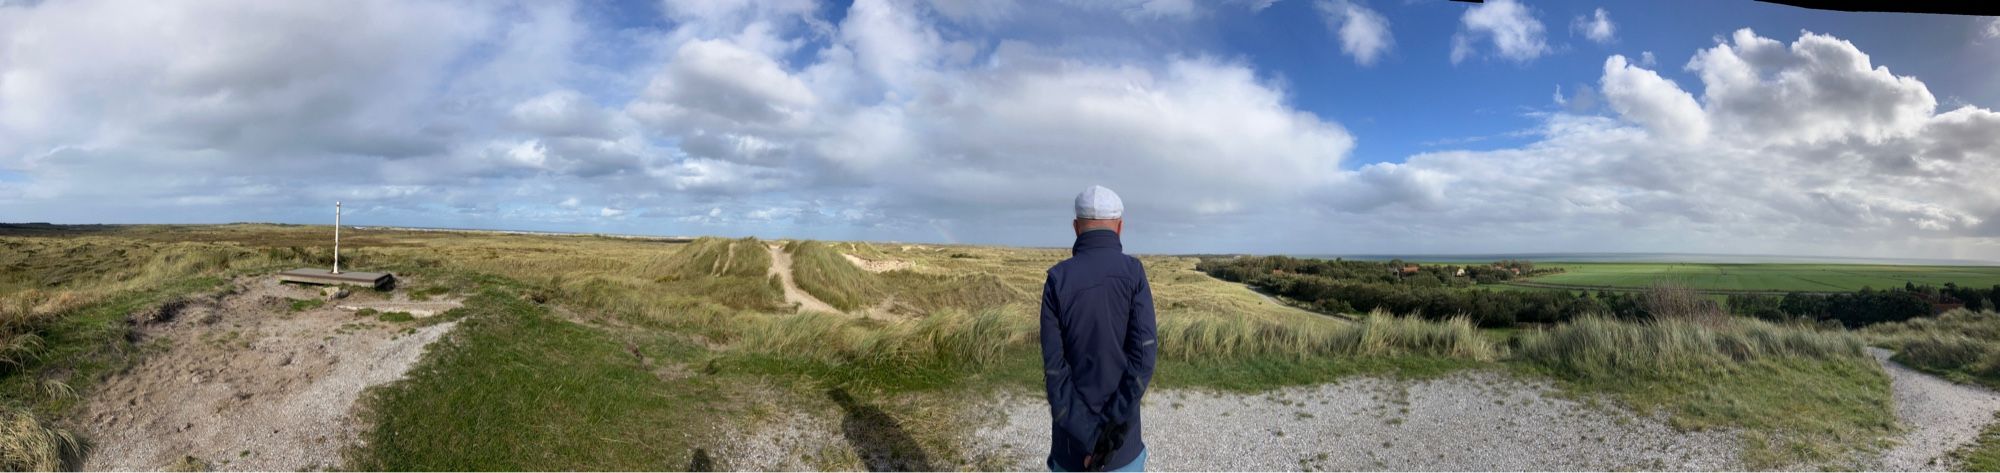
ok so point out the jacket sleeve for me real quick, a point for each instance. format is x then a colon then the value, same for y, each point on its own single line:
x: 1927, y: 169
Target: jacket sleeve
x: 1081, y: 420
x: 1141, y: 350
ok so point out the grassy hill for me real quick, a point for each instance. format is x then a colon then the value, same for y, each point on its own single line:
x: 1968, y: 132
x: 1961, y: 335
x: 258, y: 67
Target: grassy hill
x: 582, y: 352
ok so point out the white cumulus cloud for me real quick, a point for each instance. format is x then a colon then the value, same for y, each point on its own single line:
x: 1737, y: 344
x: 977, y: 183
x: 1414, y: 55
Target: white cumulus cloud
x: 1364, y: 33
x: 1597, y: 27
x: 1507, y: 25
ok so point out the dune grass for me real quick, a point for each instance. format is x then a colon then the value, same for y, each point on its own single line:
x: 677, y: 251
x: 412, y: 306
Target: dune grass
x: 1960, y: 345
x: 28, y: 444
x: 1801, y: 396
x: 930, y: 293
x: 554, y: 350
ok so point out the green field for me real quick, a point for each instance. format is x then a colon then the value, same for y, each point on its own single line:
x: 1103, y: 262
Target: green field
x: 1766, y: 277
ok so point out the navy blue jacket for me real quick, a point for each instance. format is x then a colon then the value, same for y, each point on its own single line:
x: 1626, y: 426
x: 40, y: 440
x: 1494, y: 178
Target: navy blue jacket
x: 1098, y: 348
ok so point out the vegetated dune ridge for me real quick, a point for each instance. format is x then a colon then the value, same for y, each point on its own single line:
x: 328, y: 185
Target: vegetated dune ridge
x: 258, y: 378
x: 859, y: 393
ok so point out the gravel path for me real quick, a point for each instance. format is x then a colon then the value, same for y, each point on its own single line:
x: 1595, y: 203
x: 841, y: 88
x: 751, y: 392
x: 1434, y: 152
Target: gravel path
x: 1940, y: 414
x: 1470, y: 421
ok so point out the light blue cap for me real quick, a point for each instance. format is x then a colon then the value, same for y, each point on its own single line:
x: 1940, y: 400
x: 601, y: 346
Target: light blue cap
x: 1099, y: 203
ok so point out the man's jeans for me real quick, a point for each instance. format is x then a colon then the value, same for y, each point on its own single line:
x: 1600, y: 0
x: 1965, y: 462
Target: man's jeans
x: 1138, y: 464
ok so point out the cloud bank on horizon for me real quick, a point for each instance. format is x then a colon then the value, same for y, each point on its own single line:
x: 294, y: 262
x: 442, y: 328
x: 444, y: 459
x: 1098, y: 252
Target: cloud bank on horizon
x: 977, y: 122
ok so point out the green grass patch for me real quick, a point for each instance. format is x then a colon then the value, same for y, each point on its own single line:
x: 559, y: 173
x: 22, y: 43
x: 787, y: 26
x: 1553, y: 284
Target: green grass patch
x: 1983, y: 454
x: 302, y: 305
x: 427, y: 293
x: 395, y: 316
x: 513, y: 388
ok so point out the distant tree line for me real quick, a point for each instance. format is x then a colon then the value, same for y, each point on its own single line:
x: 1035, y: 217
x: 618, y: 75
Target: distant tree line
x: 1867, y: 306
x: 1443, y: 291
x: 1431, y: 291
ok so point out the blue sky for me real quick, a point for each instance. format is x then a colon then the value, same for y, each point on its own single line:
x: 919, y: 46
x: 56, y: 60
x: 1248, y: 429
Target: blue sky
x: 1321, y: 126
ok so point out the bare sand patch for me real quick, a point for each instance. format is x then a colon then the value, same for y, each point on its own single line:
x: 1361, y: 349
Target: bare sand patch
x: 877, y: 266
x: 244, y: 382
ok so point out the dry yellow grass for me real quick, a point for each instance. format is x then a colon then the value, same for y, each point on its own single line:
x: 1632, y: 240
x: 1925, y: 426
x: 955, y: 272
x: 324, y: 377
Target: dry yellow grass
x: 977, y: 308
x: 26, y: 444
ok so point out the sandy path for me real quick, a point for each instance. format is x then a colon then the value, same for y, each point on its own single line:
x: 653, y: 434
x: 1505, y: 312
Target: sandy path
x: 781, y: 265
x: 1470, y: 421
x: 1940, y: 414
x: 246, y: 384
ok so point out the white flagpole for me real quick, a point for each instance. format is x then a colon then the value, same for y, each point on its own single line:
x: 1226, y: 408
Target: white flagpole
x: 336, y: 237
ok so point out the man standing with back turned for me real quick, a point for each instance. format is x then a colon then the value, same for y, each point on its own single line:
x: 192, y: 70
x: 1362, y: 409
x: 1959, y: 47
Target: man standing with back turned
x: 1097, y: 343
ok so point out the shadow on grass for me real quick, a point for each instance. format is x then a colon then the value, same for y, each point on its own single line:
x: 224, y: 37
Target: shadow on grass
x: 877, y: 438
x: 701, y: 461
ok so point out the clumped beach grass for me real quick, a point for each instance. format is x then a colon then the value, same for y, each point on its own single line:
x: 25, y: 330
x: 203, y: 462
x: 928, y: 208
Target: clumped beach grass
x: 956, y: 338
x: 1798, y: 394
x: 934, y: 292
x: 1960, y: 345
x: 1379, y: 336
x: 1603, y: 348
x: 28, y: 444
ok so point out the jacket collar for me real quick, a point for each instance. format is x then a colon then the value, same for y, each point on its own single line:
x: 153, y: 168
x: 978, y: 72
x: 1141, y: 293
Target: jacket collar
x: 1097, y: 240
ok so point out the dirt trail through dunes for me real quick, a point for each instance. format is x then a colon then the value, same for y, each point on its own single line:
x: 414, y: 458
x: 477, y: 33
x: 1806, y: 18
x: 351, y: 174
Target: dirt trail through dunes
x: 245, y: 383
x: 1941, y: 416
x: 781, y: 265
